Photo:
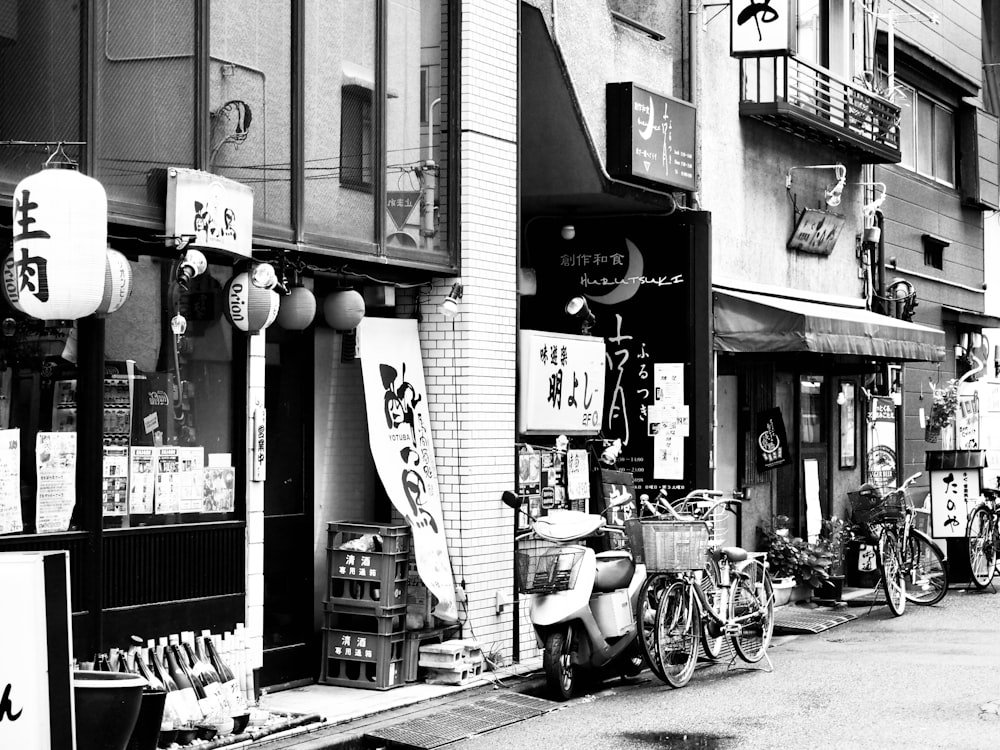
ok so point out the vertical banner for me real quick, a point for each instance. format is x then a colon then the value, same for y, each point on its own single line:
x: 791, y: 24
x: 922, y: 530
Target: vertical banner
x: 772, y: 444
x: 399, y: 432
x: 881, y: 459
x: 953, y: 494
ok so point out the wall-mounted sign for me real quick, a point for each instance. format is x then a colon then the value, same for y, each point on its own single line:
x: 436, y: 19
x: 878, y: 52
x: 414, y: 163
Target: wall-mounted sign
x: 772, y: 444
x: 216, y: 211
x: 651, y: 137
x: 816, y: 232
x: 762, y: 27
x: 561, y: 378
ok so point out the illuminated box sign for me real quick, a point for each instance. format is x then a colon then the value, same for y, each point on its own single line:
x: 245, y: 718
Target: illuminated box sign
x: 651, y: 137
x: 215, y: 211
x: 762, y: 27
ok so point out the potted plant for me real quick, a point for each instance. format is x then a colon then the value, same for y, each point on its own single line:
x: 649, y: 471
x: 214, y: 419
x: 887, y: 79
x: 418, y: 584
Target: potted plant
x: 792, y: 557
x: 943, y: 410
x: 834, y: 535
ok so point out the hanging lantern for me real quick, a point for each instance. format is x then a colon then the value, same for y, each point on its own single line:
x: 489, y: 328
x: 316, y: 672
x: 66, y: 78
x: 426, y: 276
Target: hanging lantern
x: 117, y: 282
x: 60, y: 236
x: 250, y: 308
x: 10, y: 283
x: 344, y: 309
x: 298, y: 308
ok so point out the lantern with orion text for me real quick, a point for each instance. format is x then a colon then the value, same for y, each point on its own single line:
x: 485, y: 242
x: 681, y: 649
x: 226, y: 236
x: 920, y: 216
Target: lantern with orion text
x: 60, y: 226
x: 117, y: 283
x: 250, y: 308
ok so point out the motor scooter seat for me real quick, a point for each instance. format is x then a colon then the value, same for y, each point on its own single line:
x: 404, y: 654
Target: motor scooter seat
x: 614, y: 571
x: 567, y: 525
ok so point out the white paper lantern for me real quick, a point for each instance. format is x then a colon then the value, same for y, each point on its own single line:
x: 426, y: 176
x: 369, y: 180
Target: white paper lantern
x: 344, y: 310
x: 117, y: 282
x: 250, y: 308
x: 10, y: 283
x: 60, y: 236
x: 298, y: 308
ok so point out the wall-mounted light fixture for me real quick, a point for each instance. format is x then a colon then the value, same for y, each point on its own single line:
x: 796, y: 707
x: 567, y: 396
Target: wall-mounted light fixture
x: 833, y: 193
x: 578, y: 309
x: 869, y: 209
x: 192, y: 264
x: 449, y: 306
x: 568, y: 232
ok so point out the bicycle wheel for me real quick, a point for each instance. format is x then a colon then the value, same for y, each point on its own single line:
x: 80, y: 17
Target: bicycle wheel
x: 751, y: 608
x: 649, y: 599
x: 926, y: 570
x: 892, y: 571
x: 678, y: 624
x: 982, y: 550
x: 711, y: 631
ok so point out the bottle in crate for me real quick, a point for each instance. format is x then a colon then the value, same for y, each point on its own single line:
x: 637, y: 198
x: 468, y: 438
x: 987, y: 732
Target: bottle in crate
x: 367, y: 566
x: 362, y: 660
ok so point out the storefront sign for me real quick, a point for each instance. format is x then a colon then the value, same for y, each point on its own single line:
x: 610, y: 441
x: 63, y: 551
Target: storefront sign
x: 259, y: 472
x: 772, y: 445
x: 217, y: 212
x: 762, y: 27
x: 36, y: 693
x: 953, y: 494
x: 651, y: 137
x: 881, y: 460
x: 561, y: 380
x: 399, y: 432
x: 967, y: 422
x: 816, y: 232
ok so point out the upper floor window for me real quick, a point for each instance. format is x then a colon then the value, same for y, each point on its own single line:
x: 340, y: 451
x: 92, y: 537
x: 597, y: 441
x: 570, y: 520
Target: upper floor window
x: 823, y: 34
x: 927, y: 136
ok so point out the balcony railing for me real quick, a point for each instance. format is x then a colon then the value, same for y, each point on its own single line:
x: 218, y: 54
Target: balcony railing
x: 813, y: 103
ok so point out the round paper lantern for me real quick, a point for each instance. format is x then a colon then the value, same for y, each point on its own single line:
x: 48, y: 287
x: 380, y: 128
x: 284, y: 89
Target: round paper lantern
x: 117, y: 282
x: 298, y: 308
x: 60, y: 237
x: 10, y: 283
x: 344, y: 310
x: 248, y: 307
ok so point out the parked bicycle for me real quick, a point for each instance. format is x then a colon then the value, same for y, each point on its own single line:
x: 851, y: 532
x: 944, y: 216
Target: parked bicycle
x: 983, y: 531
x: 911, y: 565
x: 697, y: 591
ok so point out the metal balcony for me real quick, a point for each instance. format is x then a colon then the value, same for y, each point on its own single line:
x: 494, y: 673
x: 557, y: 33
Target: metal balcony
x: 814, y: 104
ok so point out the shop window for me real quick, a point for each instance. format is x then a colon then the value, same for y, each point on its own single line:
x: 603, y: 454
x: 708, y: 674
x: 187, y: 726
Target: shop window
x: 811, y: 427
x: 926, y: 136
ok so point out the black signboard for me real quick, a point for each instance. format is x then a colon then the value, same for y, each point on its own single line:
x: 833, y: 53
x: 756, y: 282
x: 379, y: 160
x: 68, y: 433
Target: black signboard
x: 651, y: 137
x: 772, y: 445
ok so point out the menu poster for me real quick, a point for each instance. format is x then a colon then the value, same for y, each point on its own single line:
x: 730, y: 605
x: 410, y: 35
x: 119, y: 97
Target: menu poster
x: 55, y: 463
x: 142, y: 474
x: 166, y: 495
x: 190, y: 479
x: 10, y: 482
x: 577, y: 475
x: 114, y: 487
x: 220, y: 489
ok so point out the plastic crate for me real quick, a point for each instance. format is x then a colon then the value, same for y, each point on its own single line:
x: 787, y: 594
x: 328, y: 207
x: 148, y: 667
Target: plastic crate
x: 362, y: 660
x: 395, y: 539
x: 668, y: 546
x: 388, y: 621
x: 372, y: 580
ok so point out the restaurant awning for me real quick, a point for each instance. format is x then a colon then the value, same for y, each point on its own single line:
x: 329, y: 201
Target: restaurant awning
x: 746, y: 322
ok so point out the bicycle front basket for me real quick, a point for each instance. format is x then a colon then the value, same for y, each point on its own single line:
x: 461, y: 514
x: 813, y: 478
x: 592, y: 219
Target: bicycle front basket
x: 546, y: 570
x: 670, y: 546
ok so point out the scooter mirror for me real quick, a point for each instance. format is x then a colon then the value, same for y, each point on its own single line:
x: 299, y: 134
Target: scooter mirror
x: 510, y: 500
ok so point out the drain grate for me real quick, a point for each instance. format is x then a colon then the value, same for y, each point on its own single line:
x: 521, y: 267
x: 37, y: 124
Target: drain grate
x: 807, y: 621
x: 449, y: 725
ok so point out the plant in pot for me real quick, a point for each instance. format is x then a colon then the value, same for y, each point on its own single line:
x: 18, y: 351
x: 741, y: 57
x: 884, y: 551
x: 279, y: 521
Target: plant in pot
x: 792, y: 557
x: 834, y: 535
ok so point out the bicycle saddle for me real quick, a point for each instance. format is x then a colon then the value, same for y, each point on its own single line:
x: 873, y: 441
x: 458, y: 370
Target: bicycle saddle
x: 567, y: 525
x: 733, y: 554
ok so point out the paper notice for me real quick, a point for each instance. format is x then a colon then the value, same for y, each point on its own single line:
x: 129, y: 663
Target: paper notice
x: 55, y: 463
x: 10, y: 482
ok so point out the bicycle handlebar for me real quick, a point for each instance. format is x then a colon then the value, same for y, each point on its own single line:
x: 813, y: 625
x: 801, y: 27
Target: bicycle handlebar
x: 701, y: 500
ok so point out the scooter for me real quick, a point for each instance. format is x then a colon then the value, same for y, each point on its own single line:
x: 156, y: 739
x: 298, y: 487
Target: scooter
x: 583, y: 603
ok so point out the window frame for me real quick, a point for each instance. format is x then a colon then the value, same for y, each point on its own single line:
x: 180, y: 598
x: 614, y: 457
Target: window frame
x: 915, y: 97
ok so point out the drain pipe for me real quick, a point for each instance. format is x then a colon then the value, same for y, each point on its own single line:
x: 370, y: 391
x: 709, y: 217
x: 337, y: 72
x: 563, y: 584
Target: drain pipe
x: 880, y: 223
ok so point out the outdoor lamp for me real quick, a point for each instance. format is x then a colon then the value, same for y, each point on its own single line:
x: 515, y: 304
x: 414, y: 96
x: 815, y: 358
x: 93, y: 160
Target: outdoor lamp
x: 344, y: 309
x: 831, y: 195
x: 60, y: 233
x: 298, y: 308
x: 869, y: 209
x: 248, y: 307
x: 449, y: 306
x: 568, y: 232
x: 192, y: 264
x: 578, y: 308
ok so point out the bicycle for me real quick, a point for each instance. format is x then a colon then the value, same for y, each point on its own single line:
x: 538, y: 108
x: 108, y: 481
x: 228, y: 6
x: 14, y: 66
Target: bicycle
x: 911, y: 565
x: 983, y: 532
x: 705, y: 592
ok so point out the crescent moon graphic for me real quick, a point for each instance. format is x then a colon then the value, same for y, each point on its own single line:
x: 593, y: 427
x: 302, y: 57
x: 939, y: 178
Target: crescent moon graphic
x: 648, y: 131
x: 625, y: 290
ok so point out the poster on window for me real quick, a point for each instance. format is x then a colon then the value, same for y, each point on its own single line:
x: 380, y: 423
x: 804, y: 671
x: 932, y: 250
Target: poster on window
x: 399, y: 433
x: 967, y: 422
x: 55, y: 462
x: 10, y: 482
x: 881, y: 459
x: 772, y: 445
x: 953, y: 493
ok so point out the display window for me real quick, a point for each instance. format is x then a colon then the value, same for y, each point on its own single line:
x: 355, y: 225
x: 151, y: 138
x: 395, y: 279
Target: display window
x: 167, y: 402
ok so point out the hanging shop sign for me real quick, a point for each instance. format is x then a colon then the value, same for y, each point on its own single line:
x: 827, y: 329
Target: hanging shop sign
x: 651, y: 137
x: 36, y: 693
x: 561, y: 384
x: 816, y: 232
x: 772, y: 445
x: 762, y: 27
x: 399, y: 433
x: 60, y: 232
x: 215, y: 211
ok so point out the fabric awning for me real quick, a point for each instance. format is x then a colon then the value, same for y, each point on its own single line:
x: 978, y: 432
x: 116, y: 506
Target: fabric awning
x: 746, y: 322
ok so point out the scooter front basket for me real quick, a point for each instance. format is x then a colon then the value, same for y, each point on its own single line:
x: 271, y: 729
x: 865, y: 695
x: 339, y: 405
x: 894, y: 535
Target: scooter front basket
x: 546, y: 570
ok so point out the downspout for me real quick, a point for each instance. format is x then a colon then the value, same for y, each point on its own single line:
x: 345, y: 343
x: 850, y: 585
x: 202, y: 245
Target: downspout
x: 880, y: 268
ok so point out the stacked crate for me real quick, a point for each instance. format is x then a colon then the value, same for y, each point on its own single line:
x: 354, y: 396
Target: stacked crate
x: 365, y: 607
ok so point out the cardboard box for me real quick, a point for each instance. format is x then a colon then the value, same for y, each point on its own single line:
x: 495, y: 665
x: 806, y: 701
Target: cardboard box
x: 612, y: 612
